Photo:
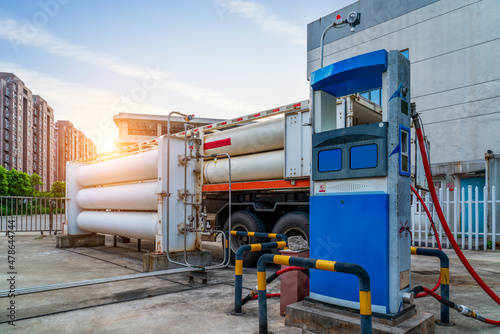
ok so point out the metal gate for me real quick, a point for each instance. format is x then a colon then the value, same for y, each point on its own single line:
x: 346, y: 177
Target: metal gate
x: 31, y: 214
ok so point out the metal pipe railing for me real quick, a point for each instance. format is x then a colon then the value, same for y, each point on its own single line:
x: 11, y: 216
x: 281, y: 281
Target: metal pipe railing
x: 238, y: 268
x: 444, y: 278
x: 261, y: 235
x: 365, y: 305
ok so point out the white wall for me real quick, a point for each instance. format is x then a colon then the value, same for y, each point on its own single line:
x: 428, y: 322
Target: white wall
x: 454, y: 48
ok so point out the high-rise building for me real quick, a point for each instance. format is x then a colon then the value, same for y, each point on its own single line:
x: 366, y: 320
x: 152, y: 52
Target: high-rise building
x: 71, y: 144
x: 26, y: 130
x: 43, y: 141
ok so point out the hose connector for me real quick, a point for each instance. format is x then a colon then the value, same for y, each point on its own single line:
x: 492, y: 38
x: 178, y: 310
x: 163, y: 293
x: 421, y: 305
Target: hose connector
x: 408, y: 298
x: 414, y: 115
x: 464, y: 310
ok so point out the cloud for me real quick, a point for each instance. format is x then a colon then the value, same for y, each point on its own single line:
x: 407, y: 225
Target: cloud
x: 267, y: 21
x: 22, y: 33
x: 90, y: 110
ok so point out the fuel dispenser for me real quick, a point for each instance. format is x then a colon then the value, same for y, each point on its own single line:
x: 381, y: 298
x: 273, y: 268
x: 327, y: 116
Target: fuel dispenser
x: 360, y: 183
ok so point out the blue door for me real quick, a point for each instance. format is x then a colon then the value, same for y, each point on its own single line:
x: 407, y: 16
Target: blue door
x: 474, y: 182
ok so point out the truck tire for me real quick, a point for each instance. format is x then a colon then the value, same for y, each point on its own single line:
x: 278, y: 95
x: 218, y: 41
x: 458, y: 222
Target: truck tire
x: 248, y: 222
x: 293, y: 224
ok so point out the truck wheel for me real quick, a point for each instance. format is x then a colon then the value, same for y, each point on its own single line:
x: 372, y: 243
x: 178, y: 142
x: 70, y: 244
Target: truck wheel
x: 247, y: 222
x: 293, y: 224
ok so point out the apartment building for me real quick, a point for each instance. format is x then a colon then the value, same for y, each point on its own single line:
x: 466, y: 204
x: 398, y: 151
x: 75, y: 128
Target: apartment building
x: 71, y: 144
x: 26, y: 131
x: 43, y: 141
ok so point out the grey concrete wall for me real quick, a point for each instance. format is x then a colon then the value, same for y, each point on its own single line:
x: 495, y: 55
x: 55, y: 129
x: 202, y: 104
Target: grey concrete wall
x: 455, y: 78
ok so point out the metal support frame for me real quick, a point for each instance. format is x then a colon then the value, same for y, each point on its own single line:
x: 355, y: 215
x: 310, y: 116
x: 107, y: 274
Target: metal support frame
x: 238, y: 268
x: 365, y: 304
x: 444, y: 279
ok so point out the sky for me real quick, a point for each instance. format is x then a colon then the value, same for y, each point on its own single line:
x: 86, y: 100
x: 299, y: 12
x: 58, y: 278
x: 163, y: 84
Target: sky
x: 91, y: 60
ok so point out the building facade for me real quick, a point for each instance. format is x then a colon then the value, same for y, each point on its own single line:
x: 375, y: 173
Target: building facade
x: 27, y: 130
x: 71, y: 144
x: 43, y: 141
x: 138, y: 128
x: 453, y: 47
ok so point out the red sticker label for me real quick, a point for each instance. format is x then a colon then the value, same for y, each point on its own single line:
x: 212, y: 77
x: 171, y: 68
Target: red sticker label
x: 217, y: 143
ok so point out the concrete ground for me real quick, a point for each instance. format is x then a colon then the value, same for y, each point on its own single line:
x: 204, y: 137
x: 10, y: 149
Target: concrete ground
x: 169, y: 304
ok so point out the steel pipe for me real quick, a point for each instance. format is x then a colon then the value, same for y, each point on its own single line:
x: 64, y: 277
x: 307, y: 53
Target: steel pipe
x: 138, y: 167
x: 260, y: 166
x: 140, y: 196
x: 140, y: 225
x: 254, y: 138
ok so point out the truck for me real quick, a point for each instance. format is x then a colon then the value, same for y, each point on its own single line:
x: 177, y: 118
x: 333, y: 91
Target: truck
x: 253, y: 172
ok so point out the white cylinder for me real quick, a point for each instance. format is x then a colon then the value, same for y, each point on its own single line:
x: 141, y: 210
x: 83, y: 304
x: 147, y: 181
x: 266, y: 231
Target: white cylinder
x: 260, y: 166
x: 140, y: 225
x: 140, y: 196
x: 262, y: 136
x: 135, y: 167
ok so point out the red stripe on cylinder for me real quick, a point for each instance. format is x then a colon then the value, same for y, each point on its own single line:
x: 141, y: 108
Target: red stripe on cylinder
x: 277, y: 109
x: 239, y: 119
x: 296, y: 105
x: 223, y: 123
x: 256, y: 115
x: 217, y: 143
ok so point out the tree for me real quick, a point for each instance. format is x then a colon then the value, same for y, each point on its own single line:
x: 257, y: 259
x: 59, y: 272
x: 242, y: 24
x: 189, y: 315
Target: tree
x: 4, y: 183
x: 35, y: 181
x: 19, y: 183
x: 58, y: 189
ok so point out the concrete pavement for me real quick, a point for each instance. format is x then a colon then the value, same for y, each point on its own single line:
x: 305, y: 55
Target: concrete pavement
x: 169, y: 304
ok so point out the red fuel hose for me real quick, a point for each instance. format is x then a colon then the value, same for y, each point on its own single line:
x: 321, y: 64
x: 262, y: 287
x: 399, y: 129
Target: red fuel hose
x: 439, y: 211
x: 423, y: 294
x: 292, y: 268
x: 428, y: 215
x: 460, y: 308
x: 269, y: 295
x: 253, y: 294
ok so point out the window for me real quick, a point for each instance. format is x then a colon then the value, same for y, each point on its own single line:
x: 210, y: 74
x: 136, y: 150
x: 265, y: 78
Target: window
x: 364, y: 156
x: 374, y: 95
x: 404, y: 151
x: 330, y: 160
x: 7, y: 158
x: 14, y: 159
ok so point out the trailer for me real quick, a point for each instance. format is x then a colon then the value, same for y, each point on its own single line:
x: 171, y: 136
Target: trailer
x: 251, y: 172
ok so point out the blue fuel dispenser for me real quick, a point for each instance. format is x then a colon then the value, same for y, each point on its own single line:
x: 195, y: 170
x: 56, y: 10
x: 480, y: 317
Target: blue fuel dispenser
x: 360, y: 183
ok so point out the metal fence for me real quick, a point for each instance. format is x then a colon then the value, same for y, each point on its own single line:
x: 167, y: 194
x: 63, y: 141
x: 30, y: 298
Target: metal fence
x: 32, y: 214
x: 472, y: 221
